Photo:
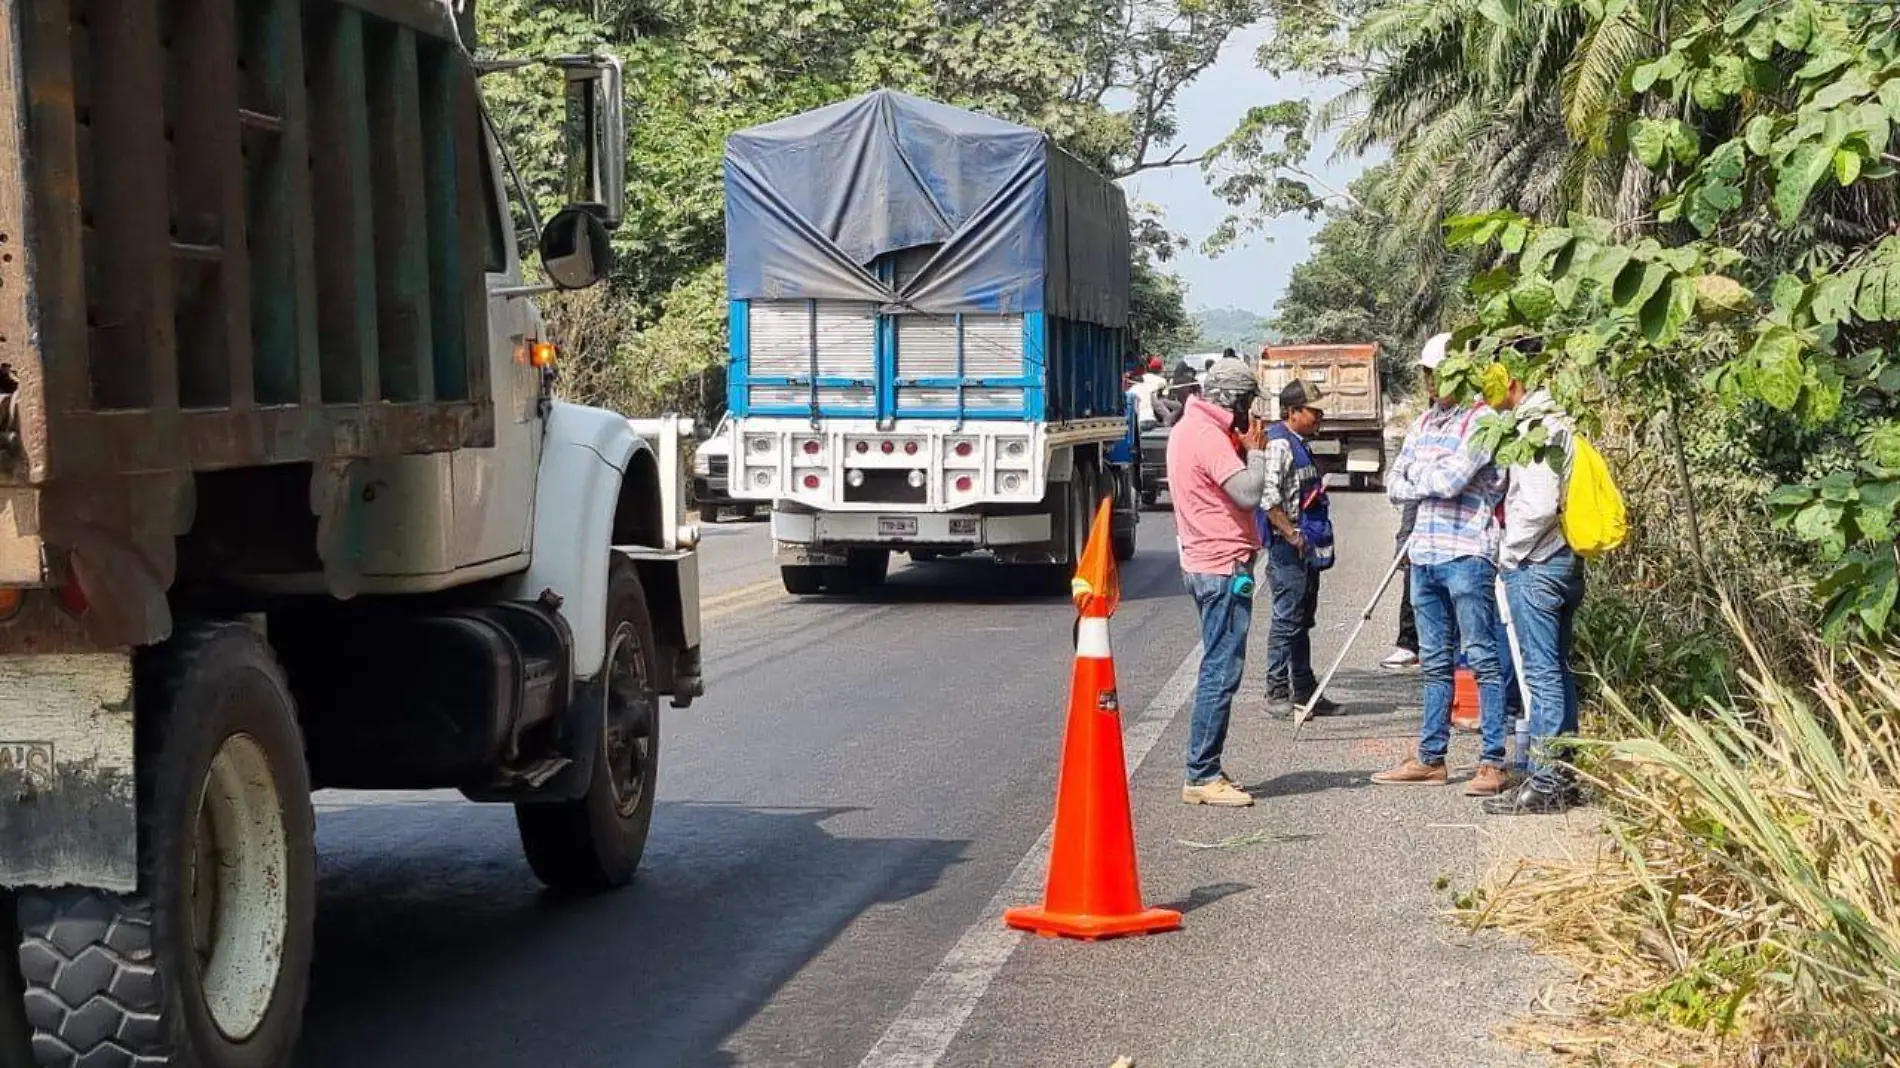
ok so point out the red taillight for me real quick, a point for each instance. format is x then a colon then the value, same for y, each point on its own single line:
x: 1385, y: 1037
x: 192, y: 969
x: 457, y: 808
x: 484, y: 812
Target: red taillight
x: 811, y: 448
x: 964, y: 448
x: 72, y: 598
x: 910, y: 448
x: 863, y: 447
x: 888, y: 447
x: 964, y: 484
x: 811, y: 482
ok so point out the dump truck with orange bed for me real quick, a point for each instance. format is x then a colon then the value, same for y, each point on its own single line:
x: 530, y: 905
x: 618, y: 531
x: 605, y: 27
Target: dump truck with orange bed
x: 288, y: 501
x: 1351, y: 438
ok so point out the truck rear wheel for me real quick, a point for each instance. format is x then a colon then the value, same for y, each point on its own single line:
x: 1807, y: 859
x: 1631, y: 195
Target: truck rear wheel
x: 709, y: 514
x: 16, y: 1050
x: 209, y: 965
x: 594, y: 843
x: 866, y: 569
x: 801, y: 580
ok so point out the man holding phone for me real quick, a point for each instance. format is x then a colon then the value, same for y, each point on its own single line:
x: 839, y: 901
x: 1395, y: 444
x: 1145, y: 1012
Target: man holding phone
x: 1217, y: 472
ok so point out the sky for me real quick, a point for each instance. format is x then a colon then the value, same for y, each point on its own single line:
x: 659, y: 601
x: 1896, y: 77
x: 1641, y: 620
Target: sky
x: 1251, y: 276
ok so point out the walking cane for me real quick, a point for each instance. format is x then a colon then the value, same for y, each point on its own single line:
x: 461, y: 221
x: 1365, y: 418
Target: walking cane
x: 1522, y: 728
x: 1303, y: 714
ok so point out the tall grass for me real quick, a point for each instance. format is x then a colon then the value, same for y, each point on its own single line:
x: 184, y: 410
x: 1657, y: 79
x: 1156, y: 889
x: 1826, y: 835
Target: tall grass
x: 1745, y: 908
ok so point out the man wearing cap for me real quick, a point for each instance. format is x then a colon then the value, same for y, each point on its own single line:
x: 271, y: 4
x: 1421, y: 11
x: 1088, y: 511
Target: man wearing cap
x: 1297, y: 527
x: 1217, y: 472
x: 1454, y: 547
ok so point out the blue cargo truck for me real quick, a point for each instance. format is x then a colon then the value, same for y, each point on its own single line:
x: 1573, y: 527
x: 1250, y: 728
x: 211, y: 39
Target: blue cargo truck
x: 929, y: 322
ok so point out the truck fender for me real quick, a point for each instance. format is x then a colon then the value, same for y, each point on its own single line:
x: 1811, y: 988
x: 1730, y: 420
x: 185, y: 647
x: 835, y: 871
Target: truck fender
x: 587, y: 455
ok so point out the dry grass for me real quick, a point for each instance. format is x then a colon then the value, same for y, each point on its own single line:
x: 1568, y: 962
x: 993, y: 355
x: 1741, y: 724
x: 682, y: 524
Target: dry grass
x: 1743, y: 905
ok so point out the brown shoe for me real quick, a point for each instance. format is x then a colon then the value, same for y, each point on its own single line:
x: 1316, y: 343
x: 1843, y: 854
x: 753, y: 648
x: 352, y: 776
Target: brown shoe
x: 1490, y: 781
x: 1412, y: 773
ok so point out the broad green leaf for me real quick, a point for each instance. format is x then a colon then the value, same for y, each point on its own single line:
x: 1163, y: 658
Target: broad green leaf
x: 1850, y: 86
x: 1706, y: 91
x: 1834, y: 297
x: 1721, y: 297
x: 1889, y: 96
x: 1495, y: 280
x: 1513, y: 237
x: 1820, y: 523
x: 1822, y: 65
x: 1760, y: 39
x: 1890, y: 308
x: 1684, y: 144
x: 1790, y: 495
x: 1795, y: 27
x: 1583, y: 347
x: 1534, y: 299
x: 1877, y: 600
x: 1649, y: 141
x: 1788, y: 292
x: 1797, y: 178
x: 1547, y: 244
x: 1846, y: 166
x: 1760, y: 134
x: 1880, y: 496
x: 1610, y: 263
x: 1566, y: 290
x: 1561, y: 263
x: 1500, y: 13
x: 1778, y: 371
x: 1838, y: 486
x: 1883, y: 445
x: 1496, y: 311
x: 1680, y: 260
x: 1648, y: 284
x: 1871, y: 301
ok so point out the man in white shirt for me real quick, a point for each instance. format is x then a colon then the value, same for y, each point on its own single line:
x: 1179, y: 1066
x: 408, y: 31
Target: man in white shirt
x: 1543, y: 583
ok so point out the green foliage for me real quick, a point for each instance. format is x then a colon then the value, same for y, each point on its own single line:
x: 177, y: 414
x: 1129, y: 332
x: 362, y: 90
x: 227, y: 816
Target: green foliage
x: 1692, y: 313
x: 1101, y: 76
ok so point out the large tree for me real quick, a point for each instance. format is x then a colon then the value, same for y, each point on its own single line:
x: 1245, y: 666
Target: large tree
x: 1101, y: 76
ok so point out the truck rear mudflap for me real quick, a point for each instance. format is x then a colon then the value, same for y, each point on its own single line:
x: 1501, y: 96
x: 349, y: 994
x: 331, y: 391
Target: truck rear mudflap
x: 68, y: 809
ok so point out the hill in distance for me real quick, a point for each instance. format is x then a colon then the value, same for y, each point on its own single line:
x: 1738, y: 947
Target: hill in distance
x: 1234, y: 328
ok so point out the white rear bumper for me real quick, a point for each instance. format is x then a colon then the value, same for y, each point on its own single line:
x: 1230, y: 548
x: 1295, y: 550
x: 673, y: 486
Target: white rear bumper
x: 900, y: 530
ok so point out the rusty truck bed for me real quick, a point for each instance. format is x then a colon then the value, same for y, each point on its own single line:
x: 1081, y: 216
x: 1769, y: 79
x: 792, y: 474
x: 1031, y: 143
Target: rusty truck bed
x: 236, y: 233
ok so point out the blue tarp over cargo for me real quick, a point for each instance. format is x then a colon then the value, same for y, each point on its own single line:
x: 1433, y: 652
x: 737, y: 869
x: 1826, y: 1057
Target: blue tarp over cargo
x: 1017, y: 224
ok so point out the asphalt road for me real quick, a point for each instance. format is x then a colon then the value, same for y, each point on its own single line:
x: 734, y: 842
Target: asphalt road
x: 836, y: 817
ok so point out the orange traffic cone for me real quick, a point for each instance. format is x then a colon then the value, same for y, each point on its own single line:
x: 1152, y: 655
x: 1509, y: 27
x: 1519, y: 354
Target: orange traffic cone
x: 1094, y: 890
x: 1464, y: 700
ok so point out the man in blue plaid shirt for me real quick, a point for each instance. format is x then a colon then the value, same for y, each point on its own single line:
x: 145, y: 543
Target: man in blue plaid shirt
x: 1454, y: 550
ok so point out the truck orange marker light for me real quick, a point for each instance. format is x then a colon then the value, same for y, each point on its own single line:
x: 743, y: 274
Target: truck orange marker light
x: 541, y: 354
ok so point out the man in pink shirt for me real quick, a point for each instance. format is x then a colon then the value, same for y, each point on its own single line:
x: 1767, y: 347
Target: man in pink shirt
x: 1216, y: 474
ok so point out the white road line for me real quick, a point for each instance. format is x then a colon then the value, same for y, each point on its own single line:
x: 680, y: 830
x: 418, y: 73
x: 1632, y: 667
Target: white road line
x: 922, y: 1033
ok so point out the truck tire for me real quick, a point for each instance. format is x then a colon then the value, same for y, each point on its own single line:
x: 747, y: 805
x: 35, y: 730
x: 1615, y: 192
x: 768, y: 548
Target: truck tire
x: 208, y: 966
x: 594, y: 842
x: 709, y: 514
x: 866, y: 569
x: 801, y: 581
x: 16, y: 1038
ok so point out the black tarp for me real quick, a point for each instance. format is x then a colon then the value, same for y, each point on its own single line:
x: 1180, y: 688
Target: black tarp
x: 813, y: 200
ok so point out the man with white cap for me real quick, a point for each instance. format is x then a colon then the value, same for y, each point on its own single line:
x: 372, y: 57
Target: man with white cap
x: 1454, y: 547
x: 1217, y: 474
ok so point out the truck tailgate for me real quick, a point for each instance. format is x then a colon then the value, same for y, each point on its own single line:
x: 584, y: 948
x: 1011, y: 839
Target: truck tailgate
x: 1348, y: 375
x: 232, y: 235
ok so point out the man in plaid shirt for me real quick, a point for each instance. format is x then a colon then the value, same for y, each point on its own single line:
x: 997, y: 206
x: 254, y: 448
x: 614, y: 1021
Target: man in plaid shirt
x: 1454, y: 550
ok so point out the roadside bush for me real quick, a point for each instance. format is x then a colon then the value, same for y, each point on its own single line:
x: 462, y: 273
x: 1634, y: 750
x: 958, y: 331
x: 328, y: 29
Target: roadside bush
x: 1745, y: 907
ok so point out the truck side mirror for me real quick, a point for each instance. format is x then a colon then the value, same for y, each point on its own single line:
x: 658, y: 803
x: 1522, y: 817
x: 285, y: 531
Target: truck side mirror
x: 576, y: 250
x: 596, y: 134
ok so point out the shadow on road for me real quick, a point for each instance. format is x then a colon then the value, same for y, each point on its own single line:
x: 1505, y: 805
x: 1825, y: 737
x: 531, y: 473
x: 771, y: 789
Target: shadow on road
x: 437, y: 947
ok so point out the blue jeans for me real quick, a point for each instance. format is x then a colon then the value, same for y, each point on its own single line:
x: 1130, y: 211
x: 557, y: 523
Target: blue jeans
x: 1225, y: 617
x: 1544, y: 599
x: 1461, y: 594
x: 1290, y: 640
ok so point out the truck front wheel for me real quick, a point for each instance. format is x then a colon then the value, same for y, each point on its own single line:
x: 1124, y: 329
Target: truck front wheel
x: 594, y: 843
x: 209, y: 965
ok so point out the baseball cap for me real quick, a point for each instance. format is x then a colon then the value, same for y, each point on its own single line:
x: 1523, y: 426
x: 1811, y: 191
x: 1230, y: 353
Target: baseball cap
x: 1230, y: 378
x: 1300, y: 393
x: 1435, y: 352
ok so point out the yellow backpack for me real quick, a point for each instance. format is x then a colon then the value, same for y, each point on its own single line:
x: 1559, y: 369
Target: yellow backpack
x: 1594, y: 519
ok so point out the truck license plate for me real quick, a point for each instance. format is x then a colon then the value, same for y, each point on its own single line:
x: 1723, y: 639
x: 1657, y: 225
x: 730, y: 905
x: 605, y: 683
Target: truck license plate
x: 1323, y: 448
x: 896, y: 526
